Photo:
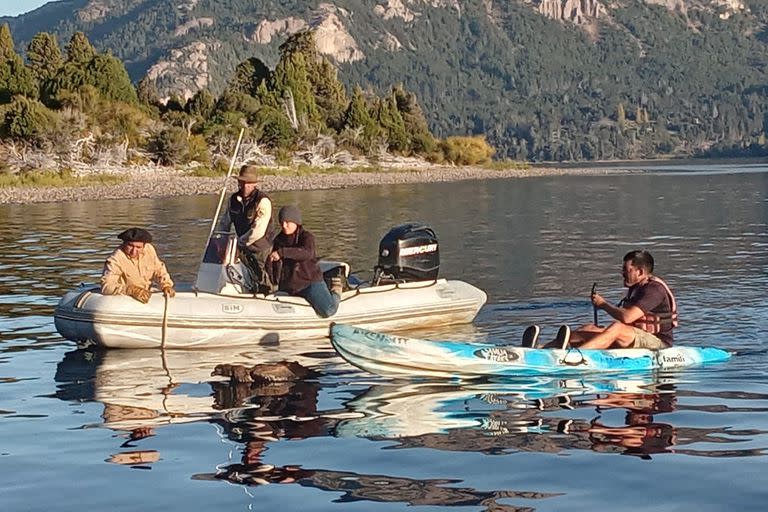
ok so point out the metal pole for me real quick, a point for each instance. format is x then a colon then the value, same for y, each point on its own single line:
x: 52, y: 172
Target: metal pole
x: 226, y: 179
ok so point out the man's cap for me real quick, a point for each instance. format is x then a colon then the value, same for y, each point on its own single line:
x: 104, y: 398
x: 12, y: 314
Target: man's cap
x: 290, y: 213
x: 248, y: 174
x: 135, y: 235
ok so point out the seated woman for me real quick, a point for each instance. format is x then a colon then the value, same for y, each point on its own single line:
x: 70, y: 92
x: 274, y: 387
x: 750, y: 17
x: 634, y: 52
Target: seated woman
x: 293, y: 265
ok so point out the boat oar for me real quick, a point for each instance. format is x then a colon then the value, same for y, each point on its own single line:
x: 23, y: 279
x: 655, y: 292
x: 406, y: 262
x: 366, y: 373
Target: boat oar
x: 594, y: 308
x: 226, y: 179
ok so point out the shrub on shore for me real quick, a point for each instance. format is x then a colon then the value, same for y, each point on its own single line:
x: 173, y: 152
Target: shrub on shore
x: 464, y: 151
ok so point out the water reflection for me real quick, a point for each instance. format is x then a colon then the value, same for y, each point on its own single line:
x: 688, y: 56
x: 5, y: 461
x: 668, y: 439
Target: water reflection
x: 640, y: 434
x: 376, y: 488
x: 143, y: 390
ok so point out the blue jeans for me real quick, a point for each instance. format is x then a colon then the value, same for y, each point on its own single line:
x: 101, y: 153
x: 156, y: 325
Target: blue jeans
x: 320, y: 298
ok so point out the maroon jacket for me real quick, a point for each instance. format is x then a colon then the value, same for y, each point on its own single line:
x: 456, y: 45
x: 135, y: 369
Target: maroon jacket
x: 297, y: 267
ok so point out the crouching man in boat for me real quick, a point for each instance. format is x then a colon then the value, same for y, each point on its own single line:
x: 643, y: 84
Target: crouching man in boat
x: 645, y: 318
x: 293, y: 263
x: 134, y: 266
x: 250, y: 210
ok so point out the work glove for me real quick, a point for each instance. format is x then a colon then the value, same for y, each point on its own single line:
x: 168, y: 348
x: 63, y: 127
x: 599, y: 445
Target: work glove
x: 169, y: 292
x: 140, y: 294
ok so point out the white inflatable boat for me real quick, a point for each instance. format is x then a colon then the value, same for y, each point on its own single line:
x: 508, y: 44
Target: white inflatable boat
x: 218, y: 311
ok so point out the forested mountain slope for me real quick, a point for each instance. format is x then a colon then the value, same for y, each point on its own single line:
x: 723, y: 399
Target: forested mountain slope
x: 544, y: 80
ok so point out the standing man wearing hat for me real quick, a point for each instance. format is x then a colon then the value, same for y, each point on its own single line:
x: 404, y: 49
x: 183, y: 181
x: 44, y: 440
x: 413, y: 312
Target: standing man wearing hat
x: 250, y: 210
x: 134, y: 266
x: 293, y: 264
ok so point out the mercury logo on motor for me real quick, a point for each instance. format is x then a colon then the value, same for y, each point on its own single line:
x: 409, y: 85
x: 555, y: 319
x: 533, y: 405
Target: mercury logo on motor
x: 419, y: 249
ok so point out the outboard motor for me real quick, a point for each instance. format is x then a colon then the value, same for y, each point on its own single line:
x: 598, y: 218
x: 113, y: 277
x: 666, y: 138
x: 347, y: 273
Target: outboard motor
x: 409, y: 252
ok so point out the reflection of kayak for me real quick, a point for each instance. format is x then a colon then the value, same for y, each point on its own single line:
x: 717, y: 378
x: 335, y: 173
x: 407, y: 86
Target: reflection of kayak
x: 396, y: 355
x: 413, y: 409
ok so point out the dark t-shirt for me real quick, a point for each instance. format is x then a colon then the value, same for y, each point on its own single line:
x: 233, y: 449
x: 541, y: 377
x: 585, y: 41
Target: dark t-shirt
x: 651, y: 297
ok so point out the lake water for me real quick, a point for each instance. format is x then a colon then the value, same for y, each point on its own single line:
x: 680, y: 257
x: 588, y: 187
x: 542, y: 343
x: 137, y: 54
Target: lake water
x: 145, y: 430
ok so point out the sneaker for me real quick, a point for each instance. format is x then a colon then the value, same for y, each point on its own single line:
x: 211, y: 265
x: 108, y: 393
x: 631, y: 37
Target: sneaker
x: 563, y: 336
x: 336, y: 286
x: 531, y: 336
x: 565, y: 402
x: 564, y: 426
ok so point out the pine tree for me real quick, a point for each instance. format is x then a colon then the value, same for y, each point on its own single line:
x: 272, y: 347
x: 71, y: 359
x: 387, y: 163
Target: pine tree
x: 27, y: 120
x: 392, y: 122
x: 109, y: 76
x: 329, y: 93
x: 421, y: 138
x: 249, y: 75
x: 6, y: 42
x: 358, y: 116
x: 44, y: 56
x: 79, y: 49
x: 147, y: 93
x: 201, y: 104
x: 15, y: 77
x: 291, y: 81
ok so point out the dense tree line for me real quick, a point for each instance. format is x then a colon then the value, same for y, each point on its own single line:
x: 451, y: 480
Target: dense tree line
x: 646, y: 83
x: 641, y: 81
x: 55, y: 99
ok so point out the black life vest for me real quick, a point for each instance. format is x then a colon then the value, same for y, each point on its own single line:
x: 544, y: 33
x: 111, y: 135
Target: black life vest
x: 242, y: 211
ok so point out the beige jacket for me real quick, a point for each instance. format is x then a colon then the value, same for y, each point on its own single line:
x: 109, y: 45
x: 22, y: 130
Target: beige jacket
x: 121, y: 271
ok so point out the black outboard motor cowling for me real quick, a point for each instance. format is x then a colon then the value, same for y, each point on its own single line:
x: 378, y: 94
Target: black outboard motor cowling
x: 409, y: 252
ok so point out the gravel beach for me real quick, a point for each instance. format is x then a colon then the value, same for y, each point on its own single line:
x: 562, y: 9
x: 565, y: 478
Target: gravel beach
x: 165, y: 183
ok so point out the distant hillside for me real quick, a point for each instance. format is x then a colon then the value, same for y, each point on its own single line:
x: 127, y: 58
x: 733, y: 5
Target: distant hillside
x: 544, y: 79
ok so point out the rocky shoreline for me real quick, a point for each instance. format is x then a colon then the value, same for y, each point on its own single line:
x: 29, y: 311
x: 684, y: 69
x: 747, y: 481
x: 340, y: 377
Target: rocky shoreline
x: 168, y: 183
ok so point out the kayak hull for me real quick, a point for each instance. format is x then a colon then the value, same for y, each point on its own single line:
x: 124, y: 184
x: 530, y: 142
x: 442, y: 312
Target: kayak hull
x: 399, y: 356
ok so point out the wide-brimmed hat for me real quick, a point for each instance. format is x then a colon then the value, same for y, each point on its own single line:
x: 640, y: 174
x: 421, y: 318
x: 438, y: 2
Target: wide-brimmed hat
x: 248, y: 174
x: 135, y: 235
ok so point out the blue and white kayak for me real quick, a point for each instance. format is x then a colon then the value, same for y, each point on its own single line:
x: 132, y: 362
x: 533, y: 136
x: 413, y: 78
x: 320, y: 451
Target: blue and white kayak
x: 394, y: 356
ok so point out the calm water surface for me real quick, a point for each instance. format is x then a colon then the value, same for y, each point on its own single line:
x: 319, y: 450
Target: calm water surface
x: 139, y: 430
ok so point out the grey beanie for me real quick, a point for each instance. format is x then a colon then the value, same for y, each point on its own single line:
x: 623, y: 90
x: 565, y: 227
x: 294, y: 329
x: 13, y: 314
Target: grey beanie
x: 291, y: 213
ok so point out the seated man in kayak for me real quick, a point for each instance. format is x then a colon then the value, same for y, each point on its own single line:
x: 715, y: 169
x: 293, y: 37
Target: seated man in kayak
x: 293, y: 264
x: 644, y: 318
x: 134, y: 266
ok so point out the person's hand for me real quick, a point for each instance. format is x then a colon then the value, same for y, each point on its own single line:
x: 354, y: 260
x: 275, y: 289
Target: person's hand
x: 274, y: 256
x: 140, y: 294
x: 169, y: 292
x: 597, y: 300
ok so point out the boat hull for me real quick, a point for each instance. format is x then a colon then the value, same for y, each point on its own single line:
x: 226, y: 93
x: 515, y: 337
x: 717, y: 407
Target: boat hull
x: 391, y: 355
x: 205, y: 320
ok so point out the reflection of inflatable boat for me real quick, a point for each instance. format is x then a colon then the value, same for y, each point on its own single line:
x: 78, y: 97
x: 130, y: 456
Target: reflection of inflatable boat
x: 219, y: 311
x: 395, y: 355
x: 151, y: 388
